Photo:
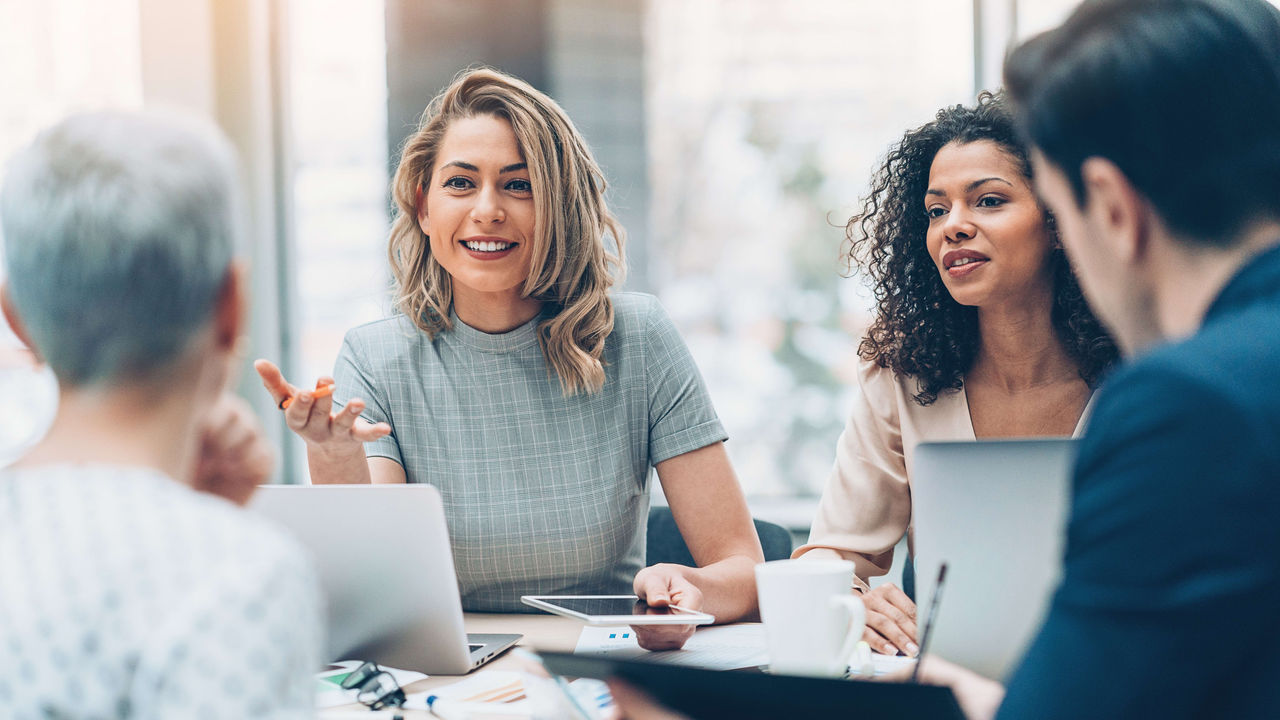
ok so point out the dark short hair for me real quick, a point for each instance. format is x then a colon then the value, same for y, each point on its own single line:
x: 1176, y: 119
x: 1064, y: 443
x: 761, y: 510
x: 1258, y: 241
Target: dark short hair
x: 919, y: 330
x: 1182, y: 95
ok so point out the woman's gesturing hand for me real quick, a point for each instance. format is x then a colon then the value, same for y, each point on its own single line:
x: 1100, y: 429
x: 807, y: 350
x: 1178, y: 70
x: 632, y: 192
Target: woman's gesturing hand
x: 309, y: 413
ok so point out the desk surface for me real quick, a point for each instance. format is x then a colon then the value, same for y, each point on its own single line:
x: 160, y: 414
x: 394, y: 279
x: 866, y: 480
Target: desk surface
x: 541, y: 632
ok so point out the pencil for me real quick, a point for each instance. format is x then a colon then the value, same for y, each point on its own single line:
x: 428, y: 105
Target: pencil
x: 928, y: 623
x: 324, y: 388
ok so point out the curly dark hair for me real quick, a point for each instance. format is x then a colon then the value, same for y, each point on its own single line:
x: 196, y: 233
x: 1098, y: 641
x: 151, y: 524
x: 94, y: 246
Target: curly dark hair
x: 919, y: 329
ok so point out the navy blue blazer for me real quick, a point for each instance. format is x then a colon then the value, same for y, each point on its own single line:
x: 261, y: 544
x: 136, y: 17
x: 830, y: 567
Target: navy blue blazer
x: 1170, y: 600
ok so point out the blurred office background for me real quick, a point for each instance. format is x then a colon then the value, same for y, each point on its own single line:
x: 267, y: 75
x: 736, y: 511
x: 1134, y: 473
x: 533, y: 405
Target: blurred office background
x: 737, y: 135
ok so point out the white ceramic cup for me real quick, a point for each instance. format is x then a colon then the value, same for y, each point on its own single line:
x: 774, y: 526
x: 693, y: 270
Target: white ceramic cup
x: 811, y: 619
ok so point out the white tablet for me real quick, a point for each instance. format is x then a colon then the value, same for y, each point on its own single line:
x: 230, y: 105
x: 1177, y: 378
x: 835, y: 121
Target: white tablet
x: 615, y: 610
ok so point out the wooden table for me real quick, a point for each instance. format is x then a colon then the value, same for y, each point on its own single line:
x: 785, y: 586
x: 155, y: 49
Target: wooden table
x: 541, y: 632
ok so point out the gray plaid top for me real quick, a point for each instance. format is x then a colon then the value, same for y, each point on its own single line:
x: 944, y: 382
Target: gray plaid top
x: 544, y: 494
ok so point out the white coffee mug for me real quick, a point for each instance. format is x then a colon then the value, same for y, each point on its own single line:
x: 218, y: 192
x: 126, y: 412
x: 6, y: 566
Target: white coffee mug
x: 811, y: 619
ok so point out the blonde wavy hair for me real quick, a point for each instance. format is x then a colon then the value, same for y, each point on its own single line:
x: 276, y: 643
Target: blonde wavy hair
x: 572, y: 268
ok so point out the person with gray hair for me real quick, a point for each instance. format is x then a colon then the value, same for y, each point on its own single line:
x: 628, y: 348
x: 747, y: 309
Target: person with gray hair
x: 131, y: 583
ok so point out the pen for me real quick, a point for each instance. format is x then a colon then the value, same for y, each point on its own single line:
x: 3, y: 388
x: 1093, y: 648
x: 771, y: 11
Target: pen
x: 324, y: 388
x: 568, y: 694
x: 444, y: 709
x: 928, y: 625
x: 557, y: 680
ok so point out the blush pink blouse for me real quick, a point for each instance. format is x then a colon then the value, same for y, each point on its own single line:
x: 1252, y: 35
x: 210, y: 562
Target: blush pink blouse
x: 866, y: 505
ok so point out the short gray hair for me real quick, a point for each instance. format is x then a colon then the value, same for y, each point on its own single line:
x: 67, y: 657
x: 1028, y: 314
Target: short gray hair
x: 119, y: 233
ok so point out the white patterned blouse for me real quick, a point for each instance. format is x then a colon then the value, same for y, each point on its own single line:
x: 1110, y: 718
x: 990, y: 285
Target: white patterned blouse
x: 124, y: 594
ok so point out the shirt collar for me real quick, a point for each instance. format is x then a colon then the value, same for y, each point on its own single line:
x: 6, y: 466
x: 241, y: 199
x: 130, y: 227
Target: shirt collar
x: 521, y: 337
x: 1257, y: 279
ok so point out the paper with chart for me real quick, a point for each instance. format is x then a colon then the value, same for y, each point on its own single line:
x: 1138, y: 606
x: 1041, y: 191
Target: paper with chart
x: 727, y: 647
x: 723, y: 647
x: 493, y: 692
x: 508, y: 695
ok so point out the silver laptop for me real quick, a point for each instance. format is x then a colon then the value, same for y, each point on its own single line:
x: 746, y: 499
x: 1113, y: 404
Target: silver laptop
x: 995, y: 512
x: 386, y: 567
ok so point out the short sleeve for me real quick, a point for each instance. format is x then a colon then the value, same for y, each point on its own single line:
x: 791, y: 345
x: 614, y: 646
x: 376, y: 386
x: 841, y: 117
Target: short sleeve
x: 866, y: 503
x: 247, y: 645
x: 681, y: 416
x: 353, y: 378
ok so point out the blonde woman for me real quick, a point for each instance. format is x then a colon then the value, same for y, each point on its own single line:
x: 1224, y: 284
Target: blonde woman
x: 513, y: 380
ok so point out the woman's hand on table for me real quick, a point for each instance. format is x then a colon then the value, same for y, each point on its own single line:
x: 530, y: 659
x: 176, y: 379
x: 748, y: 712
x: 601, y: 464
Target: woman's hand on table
x: 891, y: 621
x: 659, y: 586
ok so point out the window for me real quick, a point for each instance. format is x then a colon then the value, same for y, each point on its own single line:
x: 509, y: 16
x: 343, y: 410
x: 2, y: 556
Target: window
x: 337, y: 109
x: 763, y: 121
x: 1036, y: 16
x: 766, y: 120
x: 56, y: 57
x: 338, y: 101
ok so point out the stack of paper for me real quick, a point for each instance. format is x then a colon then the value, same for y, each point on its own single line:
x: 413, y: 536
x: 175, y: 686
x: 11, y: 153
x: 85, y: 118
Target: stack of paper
x: 726, y: 647
x: 723, y: 647
x: 492, y: 693
x: 506, y: 695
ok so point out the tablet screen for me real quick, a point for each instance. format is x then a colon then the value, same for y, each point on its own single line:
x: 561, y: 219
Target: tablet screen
x: 609, y: 606
x: 615, y: 610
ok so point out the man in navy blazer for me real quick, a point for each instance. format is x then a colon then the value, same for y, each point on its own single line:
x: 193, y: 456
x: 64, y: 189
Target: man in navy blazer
x: 1155, y: 127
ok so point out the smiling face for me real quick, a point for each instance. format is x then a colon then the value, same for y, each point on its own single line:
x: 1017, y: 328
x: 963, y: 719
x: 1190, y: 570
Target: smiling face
x: 987, y: 232
x: 478, y: 210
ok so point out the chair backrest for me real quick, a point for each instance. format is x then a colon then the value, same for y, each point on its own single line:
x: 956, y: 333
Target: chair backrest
x: 665, y: 544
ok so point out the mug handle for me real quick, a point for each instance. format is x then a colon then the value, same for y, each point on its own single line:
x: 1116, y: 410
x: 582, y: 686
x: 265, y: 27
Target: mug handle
x: 857, y: 622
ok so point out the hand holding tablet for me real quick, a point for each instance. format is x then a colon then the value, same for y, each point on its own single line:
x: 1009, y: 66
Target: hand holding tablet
x: 615, y: 610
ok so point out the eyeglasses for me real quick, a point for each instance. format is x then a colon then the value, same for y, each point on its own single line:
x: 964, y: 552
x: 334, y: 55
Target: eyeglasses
x: 374, y: 687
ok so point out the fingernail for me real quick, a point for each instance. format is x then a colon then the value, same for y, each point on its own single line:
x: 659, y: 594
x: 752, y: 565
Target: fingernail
x: 304, y: 397
x: 913, y: 649
x: 889, y: 649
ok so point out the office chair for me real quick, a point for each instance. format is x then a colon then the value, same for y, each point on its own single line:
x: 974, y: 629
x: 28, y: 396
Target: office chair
x: 666, y: 545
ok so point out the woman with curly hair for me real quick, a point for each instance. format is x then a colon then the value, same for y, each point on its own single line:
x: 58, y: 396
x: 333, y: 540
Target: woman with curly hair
x: 512, y: 378
x: 980, y: 332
